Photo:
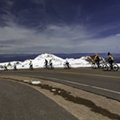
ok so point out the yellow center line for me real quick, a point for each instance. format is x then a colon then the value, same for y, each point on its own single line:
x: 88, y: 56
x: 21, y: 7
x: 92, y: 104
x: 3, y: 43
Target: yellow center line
x: 90, y: 74
x: 98, y: 75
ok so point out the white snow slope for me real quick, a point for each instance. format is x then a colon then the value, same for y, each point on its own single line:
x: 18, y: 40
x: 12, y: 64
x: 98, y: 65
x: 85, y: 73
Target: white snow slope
x: 39, y: 61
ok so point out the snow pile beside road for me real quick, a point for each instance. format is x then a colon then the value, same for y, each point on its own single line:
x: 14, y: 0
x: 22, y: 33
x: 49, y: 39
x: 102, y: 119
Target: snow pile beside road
x: 32, y: 82
x: 38, y: 62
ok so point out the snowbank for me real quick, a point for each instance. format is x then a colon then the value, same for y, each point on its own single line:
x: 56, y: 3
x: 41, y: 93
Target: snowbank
x: 38, y: 62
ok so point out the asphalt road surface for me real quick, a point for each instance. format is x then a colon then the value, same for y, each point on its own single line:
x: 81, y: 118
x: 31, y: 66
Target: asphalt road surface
x: 105, y: 83
x: 21, y: 102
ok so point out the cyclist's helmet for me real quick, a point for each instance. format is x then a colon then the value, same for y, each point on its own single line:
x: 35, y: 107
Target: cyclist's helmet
x: 108, y: 53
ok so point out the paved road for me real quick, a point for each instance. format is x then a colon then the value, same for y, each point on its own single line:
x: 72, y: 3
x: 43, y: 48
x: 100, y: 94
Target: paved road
x: 106, y: 83
x: 20, y: 102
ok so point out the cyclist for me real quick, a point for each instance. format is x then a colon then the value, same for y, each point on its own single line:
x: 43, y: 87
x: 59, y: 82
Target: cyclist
x: 31, y: 65
x: 110, y: 60
x: 46, y: 63
x: 50, y: 63
x: 97, y: 60
x: 67, y: 64
x: 15, y: 67
x: 5, y: 67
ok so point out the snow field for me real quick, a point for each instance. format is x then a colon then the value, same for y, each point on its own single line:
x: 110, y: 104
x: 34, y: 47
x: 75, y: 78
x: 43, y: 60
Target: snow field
x: 39, y: 62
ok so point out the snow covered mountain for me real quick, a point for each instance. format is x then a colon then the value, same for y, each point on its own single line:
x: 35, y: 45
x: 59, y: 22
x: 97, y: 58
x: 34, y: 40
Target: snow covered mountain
x: 38, y: 62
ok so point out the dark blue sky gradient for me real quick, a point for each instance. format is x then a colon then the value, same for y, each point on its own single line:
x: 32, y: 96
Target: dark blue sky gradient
x: 59, y: 26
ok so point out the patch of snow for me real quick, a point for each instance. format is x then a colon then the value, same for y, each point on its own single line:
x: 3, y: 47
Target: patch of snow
x: 36, y: 82
x: 32, y: 82
x: 27, y: 81
x: 53, y: 90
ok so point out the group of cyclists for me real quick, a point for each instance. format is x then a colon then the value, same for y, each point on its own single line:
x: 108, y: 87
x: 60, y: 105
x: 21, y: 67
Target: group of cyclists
x: 47, y: 65
x: 110, y: 59
x: 5, y: 66
x: 50, y: 63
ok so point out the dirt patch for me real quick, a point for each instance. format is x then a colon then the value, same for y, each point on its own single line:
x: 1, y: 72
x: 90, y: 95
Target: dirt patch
x: 81, y: 104
x: 66, y: 95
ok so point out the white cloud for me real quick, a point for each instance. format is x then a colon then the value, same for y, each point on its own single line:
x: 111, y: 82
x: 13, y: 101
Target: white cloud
x: 56, y: 38
x: 15, y: 38
x: 118, y: 35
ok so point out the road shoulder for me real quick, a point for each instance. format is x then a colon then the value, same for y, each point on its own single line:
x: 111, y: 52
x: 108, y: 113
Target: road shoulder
x: 81, y: 104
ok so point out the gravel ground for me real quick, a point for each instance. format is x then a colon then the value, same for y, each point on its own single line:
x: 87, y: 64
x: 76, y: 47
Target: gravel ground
x: 83, y: 105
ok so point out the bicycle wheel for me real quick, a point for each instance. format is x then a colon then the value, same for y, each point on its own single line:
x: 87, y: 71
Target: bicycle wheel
x: 115, y: 67
x: 101, y: 65
x: 108, y: 66
x: 105, y: 67
x: 94, y: 66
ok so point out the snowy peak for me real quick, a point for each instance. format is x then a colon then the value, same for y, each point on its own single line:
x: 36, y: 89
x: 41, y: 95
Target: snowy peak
x: 43, y: 56
x: 49, y: 57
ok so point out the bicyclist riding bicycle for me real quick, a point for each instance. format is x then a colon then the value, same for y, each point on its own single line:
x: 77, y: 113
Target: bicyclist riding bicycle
x: 67, y: 64
x: 46, y: 63
x: 31, y: 65
x: 50, y: 63
x: 97, y: 60
x: 110, y: 60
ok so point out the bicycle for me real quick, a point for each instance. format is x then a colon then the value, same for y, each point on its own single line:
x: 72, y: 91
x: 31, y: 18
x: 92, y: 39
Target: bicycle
x: 46, y: 66
x: 31, y: 67
x: 107, y: 67
x: 67, y: 66
x: 95, y: 65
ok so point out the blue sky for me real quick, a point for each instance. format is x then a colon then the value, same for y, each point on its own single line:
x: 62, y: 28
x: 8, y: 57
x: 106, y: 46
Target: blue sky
x: 59, y: 26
